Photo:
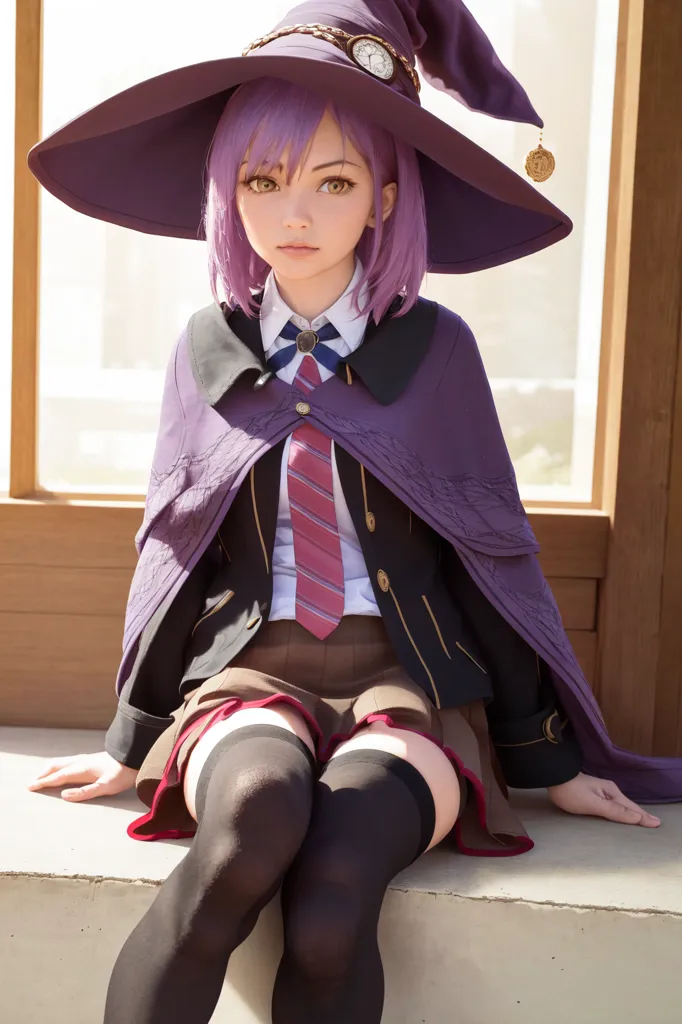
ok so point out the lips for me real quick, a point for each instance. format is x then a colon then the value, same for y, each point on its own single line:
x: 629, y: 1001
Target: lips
x: 292, y: 245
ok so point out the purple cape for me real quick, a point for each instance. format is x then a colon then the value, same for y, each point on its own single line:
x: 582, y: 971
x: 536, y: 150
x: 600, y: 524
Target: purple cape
x: 438, y: 447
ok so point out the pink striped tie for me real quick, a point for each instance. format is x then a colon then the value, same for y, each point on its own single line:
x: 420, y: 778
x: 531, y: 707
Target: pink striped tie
x: 317, y: 547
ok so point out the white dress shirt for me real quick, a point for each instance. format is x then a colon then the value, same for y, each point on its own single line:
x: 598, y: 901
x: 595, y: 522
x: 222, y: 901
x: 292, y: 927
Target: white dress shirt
x: 359, y: 597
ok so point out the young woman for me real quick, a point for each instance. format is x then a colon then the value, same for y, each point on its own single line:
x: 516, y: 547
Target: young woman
x: 339, y: 647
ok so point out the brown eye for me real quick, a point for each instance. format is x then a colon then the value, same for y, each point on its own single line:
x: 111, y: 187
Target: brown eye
x: 256, y: 181
x: 346, y: 184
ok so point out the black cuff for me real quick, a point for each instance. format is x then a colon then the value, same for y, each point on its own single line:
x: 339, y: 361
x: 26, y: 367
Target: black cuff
x: 132, y: 734
x: 536, y: 752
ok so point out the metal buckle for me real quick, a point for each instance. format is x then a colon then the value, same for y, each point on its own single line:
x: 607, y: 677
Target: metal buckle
x: 547, y: 727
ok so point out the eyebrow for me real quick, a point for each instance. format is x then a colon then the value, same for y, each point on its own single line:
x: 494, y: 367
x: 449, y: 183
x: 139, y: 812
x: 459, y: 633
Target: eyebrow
x: 320, y: 167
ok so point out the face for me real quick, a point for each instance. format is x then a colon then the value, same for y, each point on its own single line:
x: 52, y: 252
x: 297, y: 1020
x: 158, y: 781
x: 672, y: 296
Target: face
x: 326, y: 206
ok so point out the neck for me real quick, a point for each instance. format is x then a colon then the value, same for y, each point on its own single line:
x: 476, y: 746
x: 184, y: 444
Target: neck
x: 311, y: 296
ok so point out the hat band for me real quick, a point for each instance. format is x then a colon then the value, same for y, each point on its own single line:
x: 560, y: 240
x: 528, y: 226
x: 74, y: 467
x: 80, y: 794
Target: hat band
x: 360, y: 49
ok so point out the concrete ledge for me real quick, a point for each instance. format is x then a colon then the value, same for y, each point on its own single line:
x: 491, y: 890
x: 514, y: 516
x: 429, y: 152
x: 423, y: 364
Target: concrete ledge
x: 587, y: 927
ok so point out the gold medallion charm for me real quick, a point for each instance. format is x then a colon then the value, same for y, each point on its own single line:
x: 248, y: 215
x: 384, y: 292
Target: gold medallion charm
x: 540, y: 163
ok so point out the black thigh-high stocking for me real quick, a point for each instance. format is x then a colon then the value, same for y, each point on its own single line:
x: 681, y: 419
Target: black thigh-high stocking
x: 373, y: 815
x: 254, y: 798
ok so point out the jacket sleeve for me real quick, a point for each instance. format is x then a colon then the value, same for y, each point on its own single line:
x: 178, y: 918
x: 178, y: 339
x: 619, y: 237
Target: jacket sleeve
x: 532, y: 737
x: 152, y: 690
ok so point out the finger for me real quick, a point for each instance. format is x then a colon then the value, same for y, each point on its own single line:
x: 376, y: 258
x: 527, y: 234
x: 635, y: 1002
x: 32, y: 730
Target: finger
x: 615, y: 811
x: 646, y: 819
x: 85, y: 792
x: 53, y: 766
x: 60, y: 778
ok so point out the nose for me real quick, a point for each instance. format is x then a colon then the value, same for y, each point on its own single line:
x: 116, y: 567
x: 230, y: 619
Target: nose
x: 296, y: 214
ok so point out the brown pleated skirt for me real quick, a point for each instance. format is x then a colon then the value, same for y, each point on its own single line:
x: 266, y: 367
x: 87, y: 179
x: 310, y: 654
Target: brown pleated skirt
x: 339, y: 684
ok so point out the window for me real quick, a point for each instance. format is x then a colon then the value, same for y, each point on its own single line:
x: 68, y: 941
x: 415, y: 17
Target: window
x: 113, y: 301
x: 538, y: 320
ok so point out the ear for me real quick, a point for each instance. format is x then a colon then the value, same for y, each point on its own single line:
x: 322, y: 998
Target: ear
x: 389, y: 194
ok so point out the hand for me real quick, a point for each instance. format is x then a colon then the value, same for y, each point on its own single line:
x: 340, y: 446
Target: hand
x: 104, y: 775
x: 601, y: 798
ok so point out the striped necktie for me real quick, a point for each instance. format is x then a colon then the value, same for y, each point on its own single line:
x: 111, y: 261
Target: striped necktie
x: 317, y: 546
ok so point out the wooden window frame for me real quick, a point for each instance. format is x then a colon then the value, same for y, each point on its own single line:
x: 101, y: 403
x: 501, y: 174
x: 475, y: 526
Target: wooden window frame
x: 615, y: 562
x: 25, y: 302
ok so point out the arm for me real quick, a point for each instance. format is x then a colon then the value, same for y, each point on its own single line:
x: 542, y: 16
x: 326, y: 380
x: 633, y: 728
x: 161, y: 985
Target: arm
x: 151, y: 691
x: 149, y: 695
x: 532, y: 737
x: 535, y: 743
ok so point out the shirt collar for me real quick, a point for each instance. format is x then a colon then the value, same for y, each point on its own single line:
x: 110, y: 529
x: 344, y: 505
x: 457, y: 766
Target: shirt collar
x: 224, y: 344
x: 275, y: 313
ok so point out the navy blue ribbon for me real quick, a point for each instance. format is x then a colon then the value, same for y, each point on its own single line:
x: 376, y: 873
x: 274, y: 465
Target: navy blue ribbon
x: 324, y: 355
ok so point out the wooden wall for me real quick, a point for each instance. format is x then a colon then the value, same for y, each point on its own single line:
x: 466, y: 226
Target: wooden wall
x: 65, y: 571
x: 640, y: 612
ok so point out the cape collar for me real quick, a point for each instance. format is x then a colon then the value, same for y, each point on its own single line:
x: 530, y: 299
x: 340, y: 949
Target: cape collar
x: 224, y: 343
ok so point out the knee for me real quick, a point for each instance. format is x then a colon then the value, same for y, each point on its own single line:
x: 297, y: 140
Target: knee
x: 239, y: 877
x: 324, y: 922
x: 245, y: 856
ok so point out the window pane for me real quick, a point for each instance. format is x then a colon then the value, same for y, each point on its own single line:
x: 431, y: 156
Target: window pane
x: 113, y: 301
x: 7, y: 34
x: 538, y: 320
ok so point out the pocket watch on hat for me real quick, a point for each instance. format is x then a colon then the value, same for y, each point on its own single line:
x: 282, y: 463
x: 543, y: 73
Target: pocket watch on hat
x: 371, y: 55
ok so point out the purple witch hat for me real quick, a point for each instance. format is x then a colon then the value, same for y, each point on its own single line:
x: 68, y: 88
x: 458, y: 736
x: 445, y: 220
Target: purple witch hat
x: 138, y: 158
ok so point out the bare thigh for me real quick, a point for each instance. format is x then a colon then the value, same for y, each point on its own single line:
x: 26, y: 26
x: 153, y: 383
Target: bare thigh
x: 429, y: 760
x: 281, y: 715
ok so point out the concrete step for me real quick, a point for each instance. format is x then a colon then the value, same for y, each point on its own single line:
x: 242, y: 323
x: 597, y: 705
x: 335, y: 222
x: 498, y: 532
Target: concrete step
x: 586, y: 928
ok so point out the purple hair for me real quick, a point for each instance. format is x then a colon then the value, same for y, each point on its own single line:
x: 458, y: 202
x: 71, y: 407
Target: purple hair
x: 265, y: 116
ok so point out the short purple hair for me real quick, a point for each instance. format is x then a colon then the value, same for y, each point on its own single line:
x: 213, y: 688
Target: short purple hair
x: 265, y: 116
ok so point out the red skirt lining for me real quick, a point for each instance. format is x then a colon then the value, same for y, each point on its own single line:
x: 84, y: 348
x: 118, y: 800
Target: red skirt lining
x: 323, y: 753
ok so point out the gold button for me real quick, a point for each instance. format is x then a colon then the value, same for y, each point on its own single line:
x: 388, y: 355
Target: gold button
x: 252, y: 622
x: 302, y: 408
x: 383, y: 580
x: 371, y: 522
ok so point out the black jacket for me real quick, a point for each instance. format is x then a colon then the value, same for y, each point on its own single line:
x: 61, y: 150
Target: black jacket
x: 447, y: 635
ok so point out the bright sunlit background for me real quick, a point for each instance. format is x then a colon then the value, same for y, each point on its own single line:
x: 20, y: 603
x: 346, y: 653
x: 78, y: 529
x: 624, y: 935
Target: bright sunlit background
x: 113, y: 301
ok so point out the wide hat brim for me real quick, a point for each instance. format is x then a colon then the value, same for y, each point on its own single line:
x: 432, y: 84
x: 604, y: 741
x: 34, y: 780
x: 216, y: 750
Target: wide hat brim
x: 138, y: 159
